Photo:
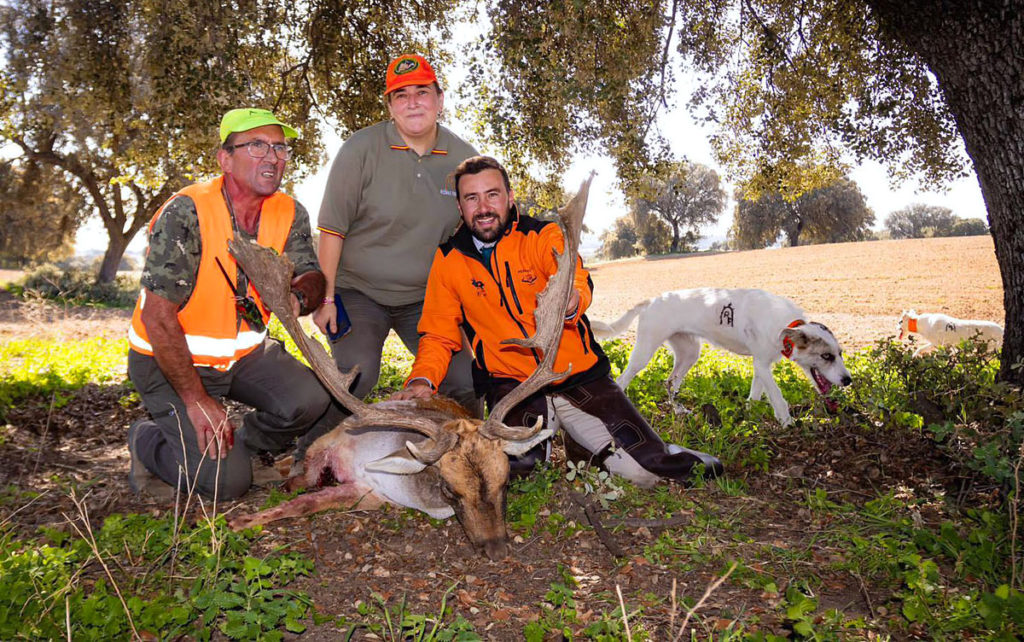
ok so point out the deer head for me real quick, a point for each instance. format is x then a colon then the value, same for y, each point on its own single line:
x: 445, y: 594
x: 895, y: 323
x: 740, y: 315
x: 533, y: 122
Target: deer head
x: 469, y: 456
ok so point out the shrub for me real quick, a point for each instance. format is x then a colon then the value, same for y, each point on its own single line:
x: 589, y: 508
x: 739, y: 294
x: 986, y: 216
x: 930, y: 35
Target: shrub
x: 77, y: 287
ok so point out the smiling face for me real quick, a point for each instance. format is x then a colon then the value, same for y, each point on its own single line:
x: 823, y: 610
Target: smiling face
x: 257, y: 176
x: 485, y: 203
x: 415, y: 109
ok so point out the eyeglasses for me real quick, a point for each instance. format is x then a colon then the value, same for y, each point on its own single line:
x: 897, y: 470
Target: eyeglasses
x: 259, y: 149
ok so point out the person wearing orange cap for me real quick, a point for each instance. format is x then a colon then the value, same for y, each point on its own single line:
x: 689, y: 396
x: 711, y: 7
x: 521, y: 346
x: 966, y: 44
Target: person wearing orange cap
x: 199, y: 330
x: 389, y: 204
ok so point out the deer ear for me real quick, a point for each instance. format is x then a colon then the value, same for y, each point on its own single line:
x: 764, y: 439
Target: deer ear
x: 398, y: 462
x: 796, y: 335
x: 517, y: 448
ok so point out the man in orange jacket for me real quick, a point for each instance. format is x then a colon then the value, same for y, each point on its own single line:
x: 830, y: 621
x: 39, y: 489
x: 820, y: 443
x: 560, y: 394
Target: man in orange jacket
x: 199, y: 333
x: 485, y: 281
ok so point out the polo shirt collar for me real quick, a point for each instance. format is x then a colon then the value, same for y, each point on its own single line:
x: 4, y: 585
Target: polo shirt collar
x: 441, y: 145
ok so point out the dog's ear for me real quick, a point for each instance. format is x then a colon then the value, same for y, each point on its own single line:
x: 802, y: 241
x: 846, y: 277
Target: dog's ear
x: 797, y: 336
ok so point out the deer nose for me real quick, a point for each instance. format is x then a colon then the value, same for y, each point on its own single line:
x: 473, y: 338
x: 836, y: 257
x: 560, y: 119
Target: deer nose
x: 496, y: 549
x: 847, y: 380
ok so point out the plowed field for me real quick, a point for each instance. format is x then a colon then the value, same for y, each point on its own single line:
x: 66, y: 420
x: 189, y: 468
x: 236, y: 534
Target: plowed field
x: 856, y: 289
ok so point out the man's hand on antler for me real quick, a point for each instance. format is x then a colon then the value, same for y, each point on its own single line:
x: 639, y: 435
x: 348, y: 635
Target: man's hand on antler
x: 417, y: 389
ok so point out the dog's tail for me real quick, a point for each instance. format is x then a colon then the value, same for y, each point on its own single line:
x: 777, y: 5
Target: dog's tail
x: 604, y: 331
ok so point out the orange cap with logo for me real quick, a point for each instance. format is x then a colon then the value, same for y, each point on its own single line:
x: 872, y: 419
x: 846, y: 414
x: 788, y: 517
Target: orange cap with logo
x: 408, y: 69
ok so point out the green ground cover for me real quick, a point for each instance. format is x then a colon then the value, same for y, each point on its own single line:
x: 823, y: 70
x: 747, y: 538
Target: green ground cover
x: 949, y: 567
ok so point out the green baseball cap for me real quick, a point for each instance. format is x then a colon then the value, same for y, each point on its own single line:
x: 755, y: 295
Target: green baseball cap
x: 240, y: 120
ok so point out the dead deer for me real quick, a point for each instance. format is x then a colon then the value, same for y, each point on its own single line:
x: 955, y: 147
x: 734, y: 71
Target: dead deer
x: 426, y: 455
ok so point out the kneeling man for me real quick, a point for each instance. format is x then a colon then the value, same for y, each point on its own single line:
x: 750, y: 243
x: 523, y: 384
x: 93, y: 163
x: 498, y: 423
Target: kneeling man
x: 485, y: 281
x: 199, y: 331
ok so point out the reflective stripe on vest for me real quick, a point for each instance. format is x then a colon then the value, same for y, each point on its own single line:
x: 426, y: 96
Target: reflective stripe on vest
x: 214, y: 334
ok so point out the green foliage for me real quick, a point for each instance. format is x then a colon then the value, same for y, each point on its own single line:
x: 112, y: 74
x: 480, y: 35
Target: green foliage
x: 121, y: 97
x: 831, y: 212
x: 558, y: 610
x: 527, y: 496
x: 594, y: 481
x: 606, y: 91
x: 969, y: 227
x: 953, y: 393
x: 199, y: 580
x: 39, y: 222
x: 918, y: 220
x: 54, y: 370
x: 686, y: 196
x: 72, y: 286
x: 398, y: 624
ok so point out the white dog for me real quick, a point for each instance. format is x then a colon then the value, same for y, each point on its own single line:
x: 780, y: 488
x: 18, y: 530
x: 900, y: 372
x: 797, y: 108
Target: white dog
x: 747, y: 322
x: 943, y: 330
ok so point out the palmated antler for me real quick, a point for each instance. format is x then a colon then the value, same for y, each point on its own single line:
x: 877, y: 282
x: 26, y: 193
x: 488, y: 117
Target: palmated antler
x: 271, y: 273
x: 549, y: 316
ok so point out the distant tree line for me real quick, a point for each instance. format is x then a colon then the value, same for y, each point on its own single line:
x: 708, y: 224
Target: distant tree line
x: 922, y: 221
x: 667, y: 219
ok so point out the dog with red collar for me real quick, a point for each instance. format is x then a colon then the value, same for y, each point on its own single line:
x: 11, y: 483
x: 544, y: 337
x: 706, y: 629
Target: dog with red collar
x: 943, y: 330
x: 745, y: 321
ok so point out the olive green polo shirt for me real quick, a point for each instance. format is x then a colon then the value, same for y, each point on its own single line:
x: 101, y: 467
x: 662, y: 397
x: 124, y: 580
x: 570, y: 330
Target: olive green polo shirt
x: 393, y: 207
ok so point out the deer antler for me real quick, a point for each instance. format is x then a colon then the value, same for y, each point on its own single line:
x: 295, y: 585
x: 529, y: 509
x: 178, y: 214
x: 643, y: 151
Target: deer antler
x: 271, y: 273
x: 550, y: 318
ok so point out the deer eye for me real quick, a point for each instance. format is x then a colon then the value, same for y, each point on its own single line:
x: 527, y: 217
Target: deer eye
x: 447, y: 491
x: 828, y: 356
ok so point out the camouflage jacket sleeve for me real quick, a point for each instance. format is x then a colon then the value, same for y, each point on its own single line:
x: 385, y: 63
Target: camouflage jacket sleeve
x: 299, y: 246
x: 175, y: 247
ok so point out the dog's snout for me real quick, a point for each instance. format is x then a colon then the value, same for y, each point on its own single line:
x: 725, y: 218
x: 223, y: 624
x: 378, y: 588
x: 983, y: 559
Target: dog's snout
x: 847, y: 380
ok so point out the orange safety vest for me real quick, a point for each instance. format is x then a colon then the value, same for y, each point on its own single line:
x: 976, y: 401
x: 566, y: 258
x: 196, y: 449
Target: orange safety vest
x: 216, y: 336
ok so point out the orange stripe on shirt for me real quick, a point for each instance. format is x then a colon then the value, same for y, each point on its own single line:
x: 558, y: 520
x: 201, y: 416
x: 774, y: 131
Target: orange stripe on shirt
x: 331, y: 232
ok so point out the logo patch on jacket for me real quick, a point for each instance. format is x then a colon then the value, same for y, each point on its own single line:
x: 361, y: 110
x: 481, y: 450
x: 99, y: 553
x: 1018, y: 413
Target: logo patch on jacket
x: 479, y: 285
x: 527, y: 277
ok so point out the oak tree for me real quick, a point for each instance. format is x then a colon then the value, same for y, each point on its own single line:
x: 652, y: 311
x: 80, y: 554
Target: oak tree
x: 910, y: 83
x: 124, y: 96
x: 834, y: 213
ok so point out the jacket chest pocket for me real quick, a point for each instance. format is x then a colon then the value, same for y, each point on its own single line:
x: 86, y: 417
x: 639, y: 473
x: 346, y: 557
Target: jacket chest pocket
x: 523, y: 284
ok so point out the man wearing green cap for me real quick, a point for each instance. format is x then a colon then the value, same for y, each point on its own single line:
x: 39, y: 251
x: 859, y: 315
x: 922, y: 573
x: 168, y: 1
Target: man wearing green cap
x: 198, y: 333
x: 389, y: 204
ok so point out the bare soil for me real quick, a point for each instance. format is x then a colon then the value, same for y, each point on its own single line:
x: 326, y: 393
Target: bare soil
x: 856, y: 289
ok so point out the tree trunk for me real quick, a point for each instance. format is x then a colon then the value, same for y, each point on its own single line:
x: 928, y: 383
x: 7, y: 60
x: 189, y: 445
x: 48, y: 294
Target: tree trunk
x: 112, y: 257
x: 675, y: 238
x: 973, y: 48
x: 795, y: 227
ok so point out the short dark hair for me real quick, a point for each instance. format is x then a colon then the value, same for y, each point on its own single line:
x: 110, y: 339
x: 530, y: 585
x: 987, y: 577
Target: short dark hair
x: 229, y: 142
x: 475, y: 165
